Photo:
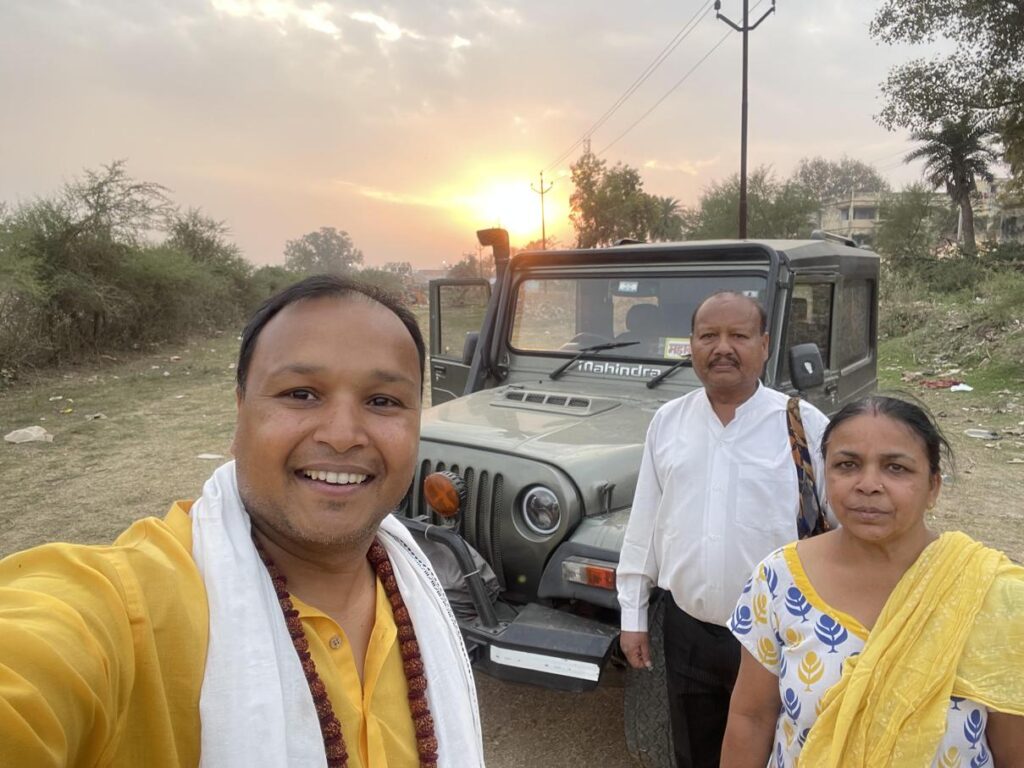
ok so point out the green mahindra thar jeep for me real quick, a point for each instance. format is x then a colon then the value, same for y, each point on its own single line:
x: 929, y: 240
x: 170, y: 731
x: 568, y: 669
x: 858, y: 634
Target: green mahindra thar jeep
x: 543, y: 384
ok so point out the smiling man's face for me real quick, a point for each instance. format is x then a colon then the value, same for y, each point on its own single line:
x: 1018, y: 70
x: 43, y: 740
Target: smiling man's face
x: 328, y: 424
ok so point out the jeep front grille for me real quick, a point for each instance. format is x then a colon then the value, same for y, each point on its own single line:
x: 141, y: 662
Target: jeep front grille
x: 482, y: 513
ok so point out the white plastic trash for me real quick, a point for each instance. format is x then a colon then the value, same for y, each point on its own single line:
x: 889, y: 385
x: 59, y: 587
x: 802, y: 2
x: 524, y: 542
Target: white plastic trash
x: 29, y: 435
x: 982, y: 434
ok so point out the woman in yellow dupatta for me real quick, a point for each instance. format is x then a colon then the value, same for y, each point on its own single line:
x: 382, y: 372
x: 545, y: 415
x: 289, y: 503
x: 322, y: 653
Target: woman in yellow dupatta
x: 880, y: 643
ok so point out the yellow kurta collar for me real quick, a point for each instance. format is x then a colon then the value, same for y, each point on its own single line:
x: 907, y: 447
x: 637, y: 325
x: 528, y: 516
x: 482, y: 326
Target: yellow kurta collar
x: 374, y: 713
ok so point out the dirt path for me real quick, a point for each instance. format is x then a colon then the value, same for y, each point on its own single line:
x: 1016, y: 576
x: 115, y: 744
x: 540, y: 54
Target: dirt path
x: 984, y: 496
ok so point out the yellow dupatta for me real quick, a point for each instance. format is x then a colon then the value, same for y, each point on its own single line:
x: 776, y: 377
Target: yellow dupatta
x: 953, y: 626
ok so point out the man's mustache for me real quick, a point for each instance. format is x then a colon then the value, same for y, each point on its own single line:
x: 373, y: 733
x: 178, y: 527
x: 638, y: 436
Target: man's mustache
x: 724, y: 358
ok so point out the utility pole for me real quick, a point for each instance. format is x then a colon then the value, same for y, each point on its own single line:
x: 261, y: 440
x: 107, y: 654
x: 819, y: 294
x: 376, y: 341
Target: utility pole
x: 542, y: 191
x: 745, y: 28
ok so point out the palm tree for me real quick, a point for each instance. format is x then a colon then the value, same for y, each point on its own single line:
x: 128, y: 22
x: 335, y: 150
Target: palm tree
x: 955, y: 154
x: 667, y: 221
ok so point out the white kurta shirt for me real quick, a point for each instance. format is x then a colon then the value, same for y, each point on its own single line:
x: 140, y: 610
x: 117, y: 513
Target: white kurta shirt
x: 711, y: 502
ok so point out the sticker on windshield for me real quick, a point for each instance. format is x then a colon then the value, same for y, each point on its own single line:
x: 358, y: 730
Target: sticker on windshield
x: 676, y: 348
x: 629, y: 286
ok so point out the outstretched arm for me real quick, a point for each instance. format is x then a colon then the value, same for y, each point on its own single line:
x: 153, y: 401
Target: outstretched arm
x: 62, y: 678
x: 753, y: 714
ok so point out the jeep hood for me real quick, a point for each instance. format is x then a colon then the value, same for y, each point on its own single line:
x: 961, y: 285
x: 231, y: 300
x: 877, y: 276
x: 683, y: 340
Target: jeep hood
x: 558, y: 428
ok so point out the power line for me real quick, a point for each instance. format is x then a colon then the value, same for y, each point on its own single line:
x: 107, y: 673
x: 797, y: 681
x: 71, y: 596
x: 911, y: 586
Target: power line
x: 887, y: 156
x: 668, y: 93
x: 674, y: 43
x: 671, y: 90
x: 745, y: 29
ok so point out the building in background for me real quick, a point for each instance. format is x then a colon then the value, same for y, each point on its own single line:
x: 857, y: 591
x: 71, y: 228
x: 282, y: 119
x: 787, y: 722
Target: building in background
x: 998, y: 217
x: 855, y: 217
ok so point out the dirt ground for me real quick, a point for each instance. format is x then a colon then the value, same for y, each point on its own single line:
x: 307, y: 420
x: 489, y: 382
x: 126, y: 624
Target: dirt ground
x: 131, y: 435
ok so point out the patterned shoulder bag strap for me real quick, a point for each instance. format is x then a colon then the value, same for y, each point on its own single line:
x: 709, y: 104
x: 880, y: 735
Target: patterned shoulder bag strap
x: 811, y: 520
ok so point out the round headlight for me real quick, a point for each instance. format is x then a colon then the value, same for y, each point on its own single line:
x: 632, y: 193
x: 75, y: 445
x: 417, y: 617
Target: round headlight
x: 541, y: 511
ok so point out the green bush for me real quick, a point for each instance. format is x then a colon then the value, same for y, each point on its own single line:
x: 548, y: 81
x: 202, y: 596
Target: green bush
x: 168, y: 296
x: 1008, y: 253
x: 265, y: 282
x: 950, y: 275
x: 109, y: 263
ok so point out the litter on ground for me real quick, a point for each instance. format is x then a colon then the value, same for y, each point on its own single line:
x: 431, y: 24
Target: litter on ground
x: 29, y: 435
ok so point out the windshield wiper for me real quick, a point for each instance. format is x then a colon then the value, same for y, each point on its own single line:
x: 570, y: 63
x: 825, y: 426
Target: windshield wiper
x: 669, y: 371
x: 586, y: 351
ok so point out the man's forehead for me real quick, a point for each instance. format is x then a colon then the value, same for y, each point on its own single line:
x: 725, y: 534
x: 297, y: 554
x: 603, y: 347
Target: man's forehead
x: 733, y: 310
x: 310, y: 320
x: 330, y: 311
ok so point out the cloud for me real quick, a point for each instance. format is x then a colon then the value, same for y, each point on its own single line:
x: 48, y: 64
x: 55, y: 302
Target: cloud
x: 314, y: 17
x: 501, y: 13
x: 387, y: 31
x: 690, y: 168
x: 395, y: 198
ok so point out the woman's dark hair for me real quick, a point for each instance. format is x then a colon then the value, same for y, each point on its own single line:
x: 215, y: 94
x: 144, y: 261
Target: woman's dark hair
x: 317, y: 287
x: 911, y: 415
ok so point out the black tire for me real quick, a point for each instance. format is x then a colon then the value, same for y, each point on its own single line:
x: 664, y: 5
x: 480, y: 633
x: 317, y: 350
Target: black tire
x: 645, y: 702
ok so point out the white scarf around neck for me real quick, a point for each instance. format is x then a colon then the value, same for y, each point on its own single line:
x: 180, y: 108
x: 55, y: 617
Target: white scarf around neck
x: 255, y: 706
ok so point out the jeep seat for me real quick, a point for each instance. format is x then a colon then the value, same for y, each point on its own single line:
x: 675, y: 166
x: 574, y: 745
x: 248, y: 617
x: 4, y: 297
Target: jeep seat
x: 643, y: 324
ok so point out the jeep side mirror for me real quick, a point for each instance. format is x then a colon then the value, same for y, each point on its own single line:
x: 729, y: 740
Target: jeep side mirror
x: 806, y: 370
x: 469, y: 347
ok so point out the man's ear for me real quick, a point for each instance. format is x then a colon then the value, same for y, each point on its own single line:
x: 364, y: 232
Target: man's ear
x: 239, y: 397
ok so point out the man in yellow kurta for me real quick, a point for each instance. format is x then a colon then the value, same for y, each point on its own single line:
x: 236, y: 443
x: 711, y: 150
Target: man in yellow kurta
x: 284, y: 618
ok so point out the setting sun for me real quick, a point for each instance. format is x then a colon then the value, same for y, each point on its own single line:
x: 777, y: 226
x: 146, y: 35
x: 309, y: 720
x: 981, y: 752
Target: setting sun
x: 512, y: 204
x: 509, y: 204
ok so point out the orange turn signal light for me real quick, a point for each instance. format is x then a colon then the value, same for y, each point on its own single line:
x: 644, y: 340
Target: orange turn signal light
x: 593, y: 573
x: 445, y: 492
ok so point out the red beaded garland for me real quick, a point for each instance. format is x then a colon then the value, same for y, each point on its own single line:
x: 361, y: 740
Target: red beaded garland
x: 412, y: 662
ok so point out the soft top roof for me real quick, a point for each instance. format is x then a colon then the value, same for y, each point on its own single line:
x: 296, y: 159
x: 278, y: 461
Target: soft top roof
x: 698, y: 250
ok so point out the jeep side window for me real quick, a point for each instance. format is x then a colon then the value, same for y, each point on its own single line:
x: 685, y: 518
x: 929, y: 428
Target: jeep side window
x: 854, y: 343
x: 461, y: 309
x: 810, y: 320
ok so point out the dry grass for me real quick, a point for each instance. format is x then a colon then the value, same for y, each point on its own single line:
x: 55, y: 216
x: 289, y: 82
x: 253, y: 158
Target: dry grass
x: 982, y: 497
x: 98, y: 475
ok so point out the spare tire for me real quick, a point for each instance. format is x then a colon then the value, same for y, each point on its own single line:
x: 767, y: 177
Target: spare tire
x: 645, y: 701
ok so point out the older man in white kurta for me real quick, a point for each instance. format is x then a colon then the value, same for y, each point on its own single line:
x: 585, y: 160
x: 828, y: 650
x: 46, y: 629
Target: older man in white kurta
x: 717, y: 491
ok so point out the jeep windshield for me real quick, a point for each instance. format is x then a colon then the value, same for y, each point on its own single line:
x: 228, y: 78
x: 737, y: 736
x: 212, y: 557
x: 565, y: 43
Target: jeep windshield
x: 561, y: 315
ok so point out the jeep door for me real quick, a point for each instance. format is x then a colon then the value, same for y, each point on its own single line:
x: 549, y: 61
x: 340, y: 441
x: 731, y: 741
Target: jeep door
x: 856, y: 321
x: 457, y: 308
x: 812, y: 306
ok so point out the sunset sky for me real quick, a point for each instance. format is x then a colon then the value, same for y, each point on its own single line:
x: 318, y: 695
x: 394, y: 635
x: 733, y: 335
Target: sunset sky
x: 412, y: 123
